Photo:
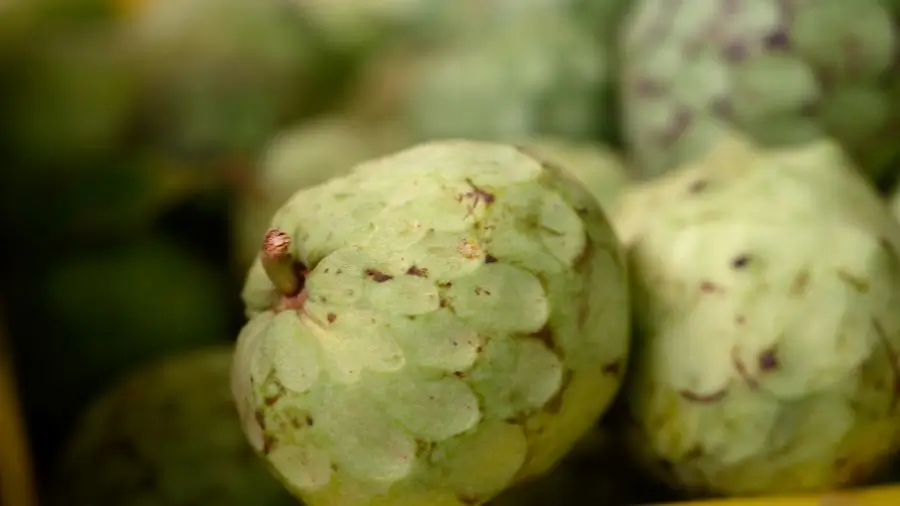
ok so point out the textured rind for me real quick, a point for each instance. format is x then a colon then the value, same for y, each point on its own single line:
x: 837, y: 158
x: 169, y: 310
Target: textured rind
x: 765, y: 357
x: 784, y: 71
x: 542, y: 74
x: 465, y: 323
x: 298, y: 158
x: 601, y: 171
x: 167, y: 435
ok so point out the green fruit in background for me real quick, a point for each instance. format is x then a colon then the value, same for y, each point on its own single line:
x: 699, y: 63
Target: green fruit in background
x: 224, y: 75
x: 544, y: 74
x: 297, y: 158
x: 766, y: 329
x: 70, y: 96
x: 167, y: 434
x: 361, y: 26
x: 783, y: 71
x: 79, y: 322
x: 431, y: 329
x: 599, y: 169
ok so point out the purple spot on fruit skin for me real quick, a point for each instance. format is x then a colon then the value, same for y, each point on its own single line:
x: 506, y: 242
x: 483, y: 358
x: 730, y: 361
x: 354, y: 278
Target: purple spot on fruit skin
x: 768, y: 361
x: 777, y: 39
x: 734, y: 52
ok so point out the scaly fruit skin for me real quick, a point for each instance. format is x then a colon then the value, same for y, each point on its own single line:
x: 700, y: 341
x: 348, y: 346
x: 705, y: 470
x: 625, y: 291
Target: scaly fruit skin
x: 540, y: 75
x: 461, y: 323
x: 223, y: 73
x: 767, y: 334
x: 600, y: 170
x: 784, y: 71
x: 717, y: 167
x: 166, y: 435
x: 298, y: 158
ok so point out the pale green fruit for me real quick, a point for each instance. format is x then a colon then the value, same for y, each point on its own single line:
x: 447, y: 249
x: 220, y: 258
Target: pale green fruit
x: 358, y: 25
x: 784, y: 71
x: 166, y: 435
x: 599, y: 169
x: 223, y: 73
x: 767, y: 331
x: 727, y: 159
x: 462, y: 322
x: 297, y: 158
x: 540, y: 75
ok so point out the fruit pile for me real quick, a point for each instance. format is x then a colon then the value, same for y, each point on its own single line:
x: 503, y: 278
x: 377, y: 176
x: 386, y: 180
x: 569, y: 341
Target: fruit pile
x: 450, y: 253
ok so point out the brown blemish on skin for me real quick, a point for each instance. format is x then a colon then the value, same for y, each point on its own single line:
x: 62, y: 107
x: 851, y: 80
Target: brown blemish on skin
x: 709, y: 287
x: 469, y: 249
x: 416, y: 271
x: 476, y: 195
x: 268, y: 444
x: 740, y: 319
x: 378, y: 276
x: 855, y: 282
x: 800, y: 283
x: 309, y: 421
x: 698, y: 186
x: 894, y: 362
x: 482, y: 291
x: 489, y: 259
x: 703, y: 398
x: 741, y: 369
x: 331, y: 317
x: 740, y: 261
x: 613, y: 368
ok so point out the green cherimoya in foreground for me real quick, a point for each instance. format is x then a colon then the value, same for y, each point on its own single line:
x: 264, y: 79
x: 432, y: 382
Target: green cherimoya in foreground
x: 430, y: 329
x: 767, y: 328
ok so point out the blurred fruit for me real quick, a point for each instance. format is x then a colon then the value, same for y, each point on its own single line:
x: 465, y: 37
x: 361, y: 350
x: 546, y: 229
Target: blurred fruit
x: 766, y: 328
x: 599, y: 169
x: 361, y: 26
x: 544, y: 74
x: 71, y: 96
x: 783, y: 71
x: 16, y: 484
x: 166, y: 435
x: 77, y: 324
x: 224, y: 75
x: 304, y: 156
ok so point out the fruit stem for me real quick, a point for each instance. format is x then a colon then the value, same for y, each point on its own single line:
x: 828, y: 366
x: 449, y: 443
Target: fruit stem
x: 278, y: 262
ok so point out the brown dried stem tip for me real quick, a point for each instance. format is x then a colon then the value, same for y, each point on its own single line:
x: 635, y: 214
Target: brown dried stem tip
x: 278, y: 262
